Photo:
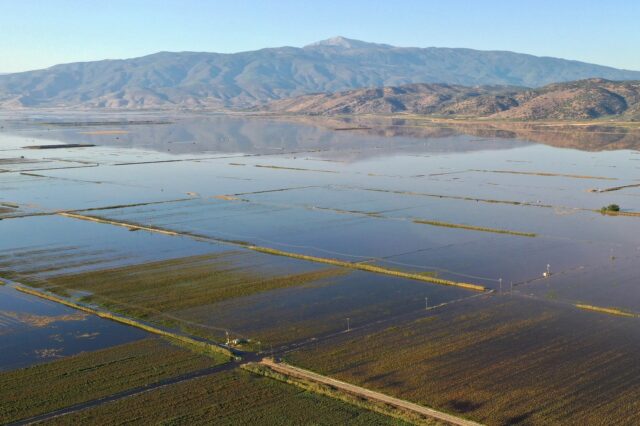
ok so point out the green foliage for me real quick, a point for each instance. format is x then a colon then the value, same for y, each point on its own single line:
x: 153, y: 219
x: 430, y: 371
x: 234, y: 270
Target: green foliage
x: 326, y: 390
x: 611, y: 208
x: 229, y: 398
x: 46, y: 387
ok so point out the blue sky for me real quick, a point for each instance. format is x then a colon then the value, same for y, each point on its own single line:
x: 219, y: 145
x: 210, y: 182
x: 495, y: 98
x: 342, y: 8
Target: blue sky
x: 40, y: 33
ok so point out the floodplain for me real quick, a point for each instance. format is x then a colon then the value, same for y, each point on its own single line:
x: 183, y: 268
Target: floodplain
x: 460, y: 267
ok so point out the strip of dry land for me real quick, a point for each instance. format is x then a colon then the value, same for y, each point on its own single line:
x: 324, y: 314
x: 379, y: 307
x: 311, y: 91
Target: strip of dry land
x: 418, y: 411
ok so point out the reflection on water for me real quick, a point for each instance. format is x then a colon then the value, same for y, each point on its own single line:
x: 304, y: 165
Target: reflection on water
x: 33, y: 330
x: 355, y: 137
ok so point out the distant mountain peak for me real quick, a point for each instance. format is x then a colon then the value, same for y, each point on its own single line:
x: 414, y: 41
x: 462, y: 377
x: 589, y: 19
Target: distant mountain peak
x: 247, y: 79
x: 344, y: 43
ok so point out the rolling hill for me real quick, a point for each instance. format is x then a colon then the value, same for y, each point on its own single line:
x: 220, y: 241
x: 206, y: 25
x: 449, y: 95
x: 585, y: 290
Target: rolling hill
x: 246, y: 79
x: 577, y: 100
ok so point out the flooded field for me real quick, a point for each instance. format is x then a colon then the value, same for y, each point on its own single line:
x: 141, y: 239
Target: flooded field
x: 34, y: 331
x: 451, y: 265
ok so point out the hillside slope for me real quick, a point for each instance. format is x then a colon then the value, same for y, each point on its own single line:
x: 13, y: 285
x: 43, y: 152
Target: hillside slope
x: 585, y: 99
x: 213, y: 80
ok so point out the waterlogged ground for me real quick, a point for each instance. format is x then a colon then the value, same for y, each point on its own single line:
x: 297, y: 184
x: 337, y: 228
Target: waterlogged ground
x: 202, y: 223
x: 34, y: 331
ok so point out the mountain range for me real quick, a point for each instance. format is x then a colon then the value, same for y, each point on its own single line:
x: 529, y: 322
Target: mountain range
x: 577, y: 100
x: 242, y: 80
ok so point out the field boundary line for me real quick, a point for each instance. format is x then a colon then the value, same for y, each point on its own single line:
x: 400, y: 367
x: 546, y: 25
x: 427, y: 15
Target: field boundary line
x: 276, y: 252
x: 299, y: 373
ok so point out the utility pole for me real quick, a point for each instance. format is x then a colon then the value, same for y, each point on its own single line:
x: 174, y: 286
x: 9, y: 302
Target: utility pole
x: 500, y: 292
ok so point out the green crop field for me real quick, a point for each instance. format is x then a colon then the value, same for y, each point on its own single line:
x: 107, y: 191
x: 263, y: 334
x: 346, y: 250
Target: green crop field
x: 46, y: 387
x: 228, y: 398
x: 498, y: 361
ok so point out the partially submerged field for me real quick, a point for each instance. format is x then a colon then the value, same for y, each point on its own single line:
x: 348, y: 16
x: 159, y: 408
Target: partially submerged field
x: 33, y: 330
x: 47, y: 387
x: 362, y: 254
x: 500, y: 361
x: 250, y: 295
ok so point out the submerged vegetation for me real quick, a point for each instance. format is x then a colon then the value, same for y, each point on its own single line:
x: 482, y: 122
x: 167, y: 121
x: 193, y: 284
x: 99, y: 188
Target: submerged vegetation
x: 201, y: 346
x: 276, y: 252
x: 178, y: 293
x: 365, y: 310
x: 176, y: 284
x: 495, y: 361
x: 372, y: 268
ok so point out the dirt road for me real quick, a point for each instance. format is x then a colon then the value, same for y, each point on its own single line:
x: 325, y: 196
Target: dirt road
x: 366, y: 393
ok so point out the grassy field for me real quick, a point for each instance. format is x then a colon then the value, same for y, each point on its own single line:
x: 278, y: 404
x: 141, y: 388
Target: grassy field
x: 42, y: 388
x: 498, y: 361
x: 229, y: 398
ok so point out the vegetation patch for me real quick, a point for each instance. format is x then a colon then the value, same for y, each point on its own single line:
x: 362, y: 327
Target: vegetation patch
x: 494, y: 360
x: 474, y: 228
x: 332, y: 392
x: 177, y: 284
x: 105, y: 132
x: 43, y: 320
x: 611, y: 208
x: 547, y: 174
x: 298, y: 169
x: 229, y: 398
x: 47, y: 387
x: 616, y: 188
x: 605, y: 310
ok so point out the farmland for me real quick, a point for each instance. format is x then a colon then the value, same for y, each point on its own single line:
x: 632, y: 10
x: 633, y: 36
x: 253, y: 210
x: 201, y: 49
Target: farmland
x: 230, y: 398
x: 505, y: 361
x: 211, y: 294
x: 470, y: 272
x: 46, y: 387
x: 182, y: 283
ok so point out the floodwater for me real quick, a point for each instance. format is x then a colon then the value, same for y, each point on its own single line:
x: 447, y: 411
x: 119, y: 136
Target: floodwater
x: 34, y: 330
x: 481, y: 204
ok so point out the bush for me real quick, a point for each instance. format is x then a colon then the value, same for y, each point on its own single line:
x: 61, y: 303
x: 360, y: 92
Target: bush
x: 611, y: 208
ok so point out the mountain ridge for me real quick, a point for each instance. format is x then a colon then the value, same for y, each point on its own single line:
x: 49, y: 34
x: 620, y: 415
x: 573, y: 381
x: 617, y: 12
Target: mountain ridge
x: 202, y: 80
x: 576, y: 100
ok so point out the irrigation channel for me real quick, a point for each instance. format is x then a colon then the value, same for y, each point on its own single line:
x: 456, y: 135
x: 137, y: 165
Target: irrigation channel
x: 243, y: 358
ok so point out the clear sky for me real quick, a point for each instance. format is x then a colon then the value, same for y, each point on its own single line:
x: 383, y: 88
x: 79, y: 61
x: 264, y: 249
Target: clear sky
x: 40, y: 33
